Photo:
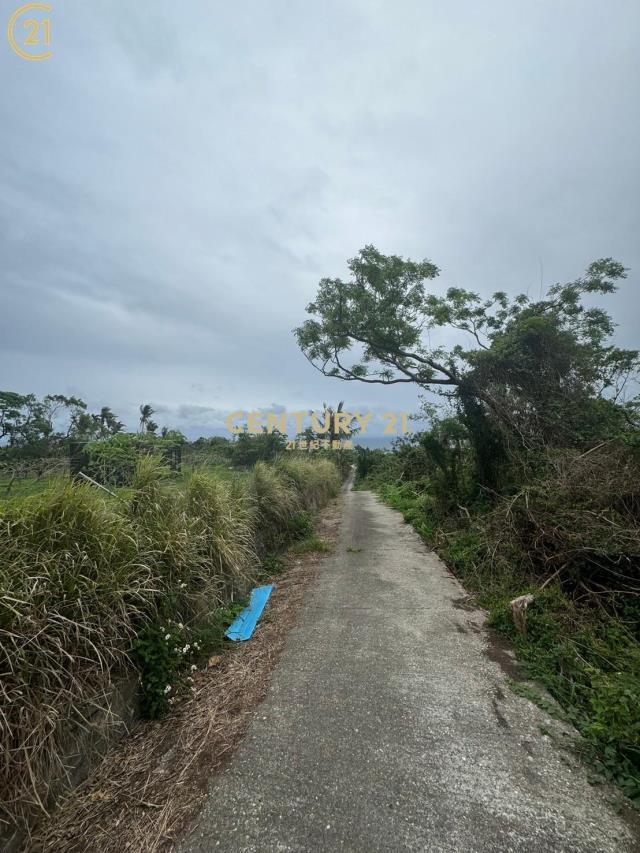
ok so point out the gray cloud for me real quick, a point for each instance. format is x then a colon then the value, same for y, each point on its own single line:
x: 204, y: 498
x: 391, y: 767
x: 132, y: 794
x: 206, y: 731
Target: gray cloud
x: 175, y: 181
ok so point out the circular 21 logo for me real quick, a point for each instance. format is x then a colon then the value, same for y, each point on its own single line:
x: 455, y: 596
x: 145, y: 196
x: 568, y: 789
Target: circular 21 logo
x: 37, y: 37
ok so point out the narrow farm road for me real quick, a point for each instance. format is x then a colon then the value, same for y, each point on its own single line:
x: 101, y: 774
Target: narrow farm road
x: 389, y: 725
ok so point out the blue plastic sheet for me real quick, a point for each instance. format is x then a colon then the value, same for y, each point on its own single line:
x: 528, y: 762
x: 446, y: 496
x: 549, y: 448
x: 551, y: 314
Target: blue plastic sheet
x: 243, y: 627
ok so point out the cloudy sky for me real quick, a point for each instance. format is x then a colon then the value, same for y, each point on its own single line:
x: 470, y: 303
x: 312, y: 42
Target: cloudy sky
x: 178, y: 177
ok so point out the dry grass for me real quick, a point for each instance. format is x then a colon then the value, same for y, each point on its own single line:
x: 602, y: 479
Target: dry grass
x: 148, y: 790
x: 73, y: 591
x: 80, y: 578
x: 579, y: 523
x: 317, y: 481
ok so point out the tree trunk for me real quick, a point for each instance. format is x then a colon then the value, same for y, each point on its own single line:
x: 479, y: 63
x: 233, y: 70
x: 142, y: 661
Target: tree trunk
x: 486, y: 440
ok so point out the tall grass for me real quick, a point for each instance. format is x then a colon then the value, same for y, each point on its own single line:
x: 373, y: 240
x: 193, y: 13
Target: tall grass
x: 316, y: 481
x: 83, y: 575
x: 74, y: 588
x: 277, y: 503
x: 223, y: 522
x: 286, y: 490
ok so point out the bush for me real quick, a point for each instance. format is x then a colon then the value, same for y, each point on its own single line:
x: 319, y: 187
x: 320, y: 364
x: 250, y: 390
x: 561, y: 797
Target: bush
x: 301, y: 526
x: 113, y: 461
x: 262, y: 447
x: 163, y: 652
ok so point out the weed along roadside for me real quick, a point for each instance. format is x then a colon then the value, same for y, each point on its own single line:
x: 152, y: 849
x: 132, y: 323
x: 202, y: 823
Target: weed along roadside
x: 586, y: 659
x: 172, y: 759
x: 101, y: 592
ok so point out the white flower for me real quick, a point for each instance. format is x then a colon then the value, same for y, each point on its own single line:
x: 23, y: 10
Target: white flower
x: 193, y: 667
x: 167, y: 689
x: 180, y: 625
x: 183, y: 586
x: 167, y: 636
x: 186, y: 649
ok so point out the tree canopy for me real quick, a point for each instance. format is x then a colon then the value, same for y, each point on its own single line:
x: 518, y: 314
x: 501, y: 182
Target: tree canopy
x: 545, y: 356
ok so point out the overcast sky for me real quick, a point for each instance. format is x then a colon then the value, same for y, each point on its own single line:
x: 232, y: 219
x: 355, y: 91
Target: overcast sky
x: 178, y: 177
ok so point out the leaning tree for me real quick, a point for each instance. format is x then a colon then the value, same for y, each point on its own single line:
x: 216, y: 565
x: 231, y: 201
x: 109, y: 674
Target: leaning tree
x: 539, y: 371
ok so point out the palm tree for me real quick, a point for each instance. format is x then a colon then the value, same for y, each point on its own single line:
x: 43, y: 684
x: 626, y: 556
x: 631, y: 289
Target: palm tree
x: 329, y: 411
x: 85, y: 426
x: 106, y: 416
x: 109, y: 422
x: 145, y: 417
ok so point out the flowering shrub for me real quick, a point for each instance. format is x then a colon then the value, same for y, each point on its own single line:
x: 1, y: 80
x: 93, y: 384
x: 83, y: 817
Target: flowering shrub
x: 168, y: 653
x: 163, y: 652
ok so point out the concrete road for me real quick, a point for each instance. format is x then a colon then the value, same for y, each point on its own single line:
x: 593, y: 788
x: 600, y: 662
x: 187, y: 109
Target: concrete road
x: 389, y: 725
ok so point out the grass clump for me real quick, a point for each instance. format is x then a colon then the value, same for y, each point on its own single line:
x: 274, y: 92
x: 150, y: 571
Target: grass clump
x: 275, y: 501
x: 95, y: 588
x: 309, y: 545
x: 75, y: 590
x: 316, y: 481
x: 272, y: 565
x: 223, y: 523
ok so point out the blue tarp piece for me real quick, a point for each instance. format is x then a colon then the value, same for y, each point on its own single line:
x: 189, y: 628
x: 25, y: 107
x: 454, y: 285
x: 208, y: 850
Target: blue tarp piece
x: 242, y: 628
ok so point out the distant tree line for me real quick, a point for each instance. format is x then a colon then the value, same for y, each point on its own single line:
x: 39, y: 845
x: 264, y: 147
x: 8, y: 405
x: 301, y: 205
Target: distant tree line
x: 31, y: 427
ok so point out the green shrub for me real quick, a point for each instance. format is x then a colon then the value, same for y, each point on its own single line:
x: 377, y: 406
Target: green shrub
x: 301, y: 525
x: 162, y: 653
x: 262, y: 447
x: 166, y: 652
x: 272, y: 565
x: 309, y: 545
x: 113, y: 461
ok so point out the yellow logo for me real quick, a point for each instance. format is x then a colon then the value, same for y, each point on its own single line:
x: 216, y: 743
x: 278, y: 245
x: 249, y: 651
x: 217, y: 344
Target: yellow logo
x: 38, y: 31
